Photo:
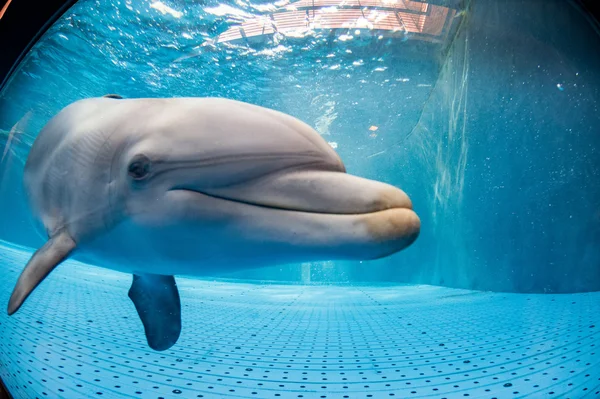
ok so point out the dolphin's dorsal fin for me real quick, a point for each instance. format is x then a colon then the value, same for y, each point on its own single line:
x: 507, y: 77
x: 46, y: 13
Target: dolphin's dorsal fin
x: 43, y: 261
x: 118, y: 97
x: 156, y: 300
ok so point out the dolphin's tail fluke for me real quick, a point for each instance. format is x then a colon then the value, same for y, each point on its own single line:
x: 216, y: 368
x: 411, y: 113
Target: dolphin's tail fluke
x: 43, y: 261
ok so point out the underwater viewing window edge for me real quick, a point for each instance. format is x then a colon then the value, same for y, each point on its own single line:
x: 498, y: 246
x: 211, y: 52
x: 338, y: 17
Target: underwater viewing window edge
x: 20, y: 29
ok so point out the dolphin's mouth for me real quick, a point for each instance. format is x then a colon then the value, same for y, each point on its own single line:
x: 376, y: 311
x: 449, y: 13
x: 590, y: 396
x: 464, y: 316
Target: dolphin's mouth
x: 290, y: 208
x: 331, y: 213
x: 364, y: 235
x: 320, y: 192
x: 260, y: 205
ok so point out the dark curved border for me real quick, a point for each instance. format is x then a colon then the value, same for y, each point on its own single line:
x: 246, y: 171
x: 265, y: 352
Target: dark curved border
x: 591, y: 8
x: 21, y: 26
x: 4, y: 394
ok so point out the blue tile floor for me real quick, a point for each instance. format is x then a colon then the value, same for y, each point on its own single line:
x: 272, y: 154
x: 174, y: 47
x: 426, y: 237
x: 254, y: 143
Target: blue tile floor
x: 78, y: 336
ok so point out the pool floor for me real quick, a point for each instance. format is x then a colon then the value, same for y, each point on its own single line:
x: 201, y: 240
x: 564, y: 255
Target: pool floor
x: 78, y: 336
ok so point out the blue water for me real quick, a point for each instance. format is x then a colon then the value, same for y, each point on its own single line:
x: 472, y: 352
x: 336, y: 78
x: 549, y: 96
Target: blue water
x: 494, y: 134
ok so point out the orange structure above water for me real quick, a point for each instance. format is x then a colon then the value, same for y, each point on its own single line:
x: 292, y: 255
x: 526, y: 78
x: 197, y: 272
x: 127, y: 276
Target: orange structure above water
x: 417, y: 19
x: 4, y: 7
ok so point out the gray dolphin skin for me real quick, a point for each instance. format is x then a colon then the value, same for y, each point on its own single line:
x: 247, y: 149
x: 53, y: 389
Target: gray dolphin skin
x: 158, y: 187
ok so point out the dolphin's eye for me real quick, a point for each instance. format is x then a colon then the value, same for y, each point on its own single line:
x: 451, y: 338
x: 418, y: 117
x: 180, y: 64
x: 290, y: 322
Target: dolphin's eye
x: 139, y: 168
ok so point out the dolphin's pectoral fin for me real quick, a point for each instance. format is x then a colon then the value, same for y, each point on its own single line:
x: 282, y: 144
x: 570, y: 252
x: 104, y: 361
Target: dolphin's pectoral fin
x: 43, y: 261
x: 156, y: 300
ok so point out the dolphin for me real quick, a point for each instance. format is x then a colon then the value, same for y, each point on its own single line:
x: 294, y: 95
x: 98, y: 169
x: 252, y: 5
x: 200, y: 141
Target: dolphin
x: 158, y: 187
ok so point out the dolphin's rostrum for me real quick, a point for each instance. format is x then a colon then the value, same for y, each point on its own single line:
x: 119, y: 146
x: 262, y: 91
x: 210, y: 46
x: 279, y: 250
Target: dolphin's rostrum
x: 158, y: 187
